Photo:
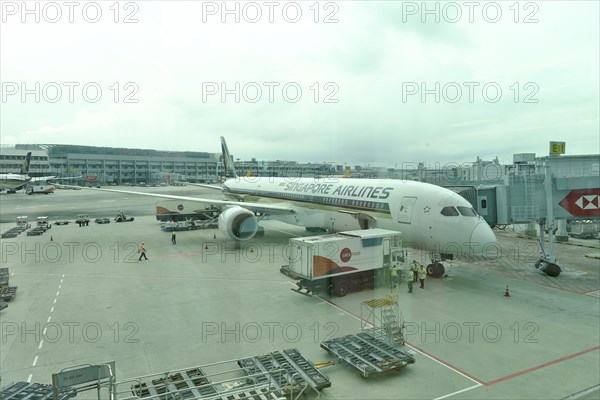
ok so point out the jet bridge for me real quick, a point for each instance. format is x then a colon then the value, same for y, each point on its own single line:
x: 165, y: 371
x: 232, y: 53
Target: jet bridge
x: 541, y: 190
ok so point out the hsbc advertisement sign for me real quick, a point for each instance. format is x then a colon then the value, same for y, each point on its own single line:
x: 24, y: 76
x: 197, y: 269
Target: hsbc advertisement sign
x: 582, y: 202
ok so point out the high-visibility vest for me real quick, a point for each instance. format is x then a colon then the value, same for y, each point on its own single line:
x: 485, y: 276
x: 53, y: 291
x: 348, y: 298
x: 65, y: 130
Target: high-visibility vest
x: 394, y: 271
x: 411, y: 275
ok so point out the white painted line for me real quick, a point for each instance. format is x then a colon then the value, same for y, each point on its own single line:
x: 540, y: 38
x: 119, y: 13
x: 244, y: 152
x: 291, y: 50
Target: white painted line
x: 44, y: 332
x: 29, y: 378
x: 54, y: 301
x: 59, y: 286
x: 35, y: 360
x: 42, y: 341
x: 57, y: 293
x: 52, y: 309
x: 459, y: 391
x: 445, y: 365
x: 63, y: 275
x: 49, y: 318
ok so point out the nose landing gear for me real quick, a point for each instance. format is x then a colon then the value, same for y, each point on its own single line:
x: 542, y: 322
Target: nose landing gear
x: 435, y: 269
x: 547, y: 267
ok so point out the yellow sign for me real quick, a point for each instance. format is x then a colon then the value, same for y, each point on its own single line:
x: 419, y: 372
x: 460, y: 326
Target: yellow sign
x: 557, y: 148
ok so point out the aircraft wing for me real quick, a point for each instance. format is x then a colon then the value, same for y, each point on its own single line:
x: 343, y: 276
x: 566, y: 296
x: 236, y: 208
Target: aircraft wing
x: 65, y: 178
x: 205, y: 186
x: 42, y: 178
x: 255, y: 207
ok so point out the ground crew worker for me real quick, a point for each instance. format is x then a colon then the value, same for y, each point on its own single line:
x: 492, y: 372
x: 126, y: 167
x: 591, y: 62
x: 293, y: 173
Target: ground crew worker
x: 174, y: 237
x: 142, y: 251
x: 414, y: 267
x: 394, y: 276
x: 410, y: 279
x: 422, y: 275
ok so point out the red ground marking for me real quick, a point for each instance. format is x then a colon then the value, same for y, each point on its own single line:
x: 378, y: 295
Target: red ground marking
x: 447, y: 364
x: 507, y: 377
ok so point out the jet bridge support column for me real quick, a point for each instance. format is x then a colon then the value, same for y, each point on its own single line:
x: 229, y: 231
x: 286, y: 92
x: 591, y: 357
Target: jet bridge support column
x: 530, y: 232
x: 561, y: 233
x: 547, y: 262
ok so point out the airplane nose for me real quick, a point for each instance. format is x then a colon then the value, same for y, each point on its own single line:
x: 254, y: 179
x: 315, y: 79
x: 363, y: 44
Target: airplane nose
x: 483, y: 240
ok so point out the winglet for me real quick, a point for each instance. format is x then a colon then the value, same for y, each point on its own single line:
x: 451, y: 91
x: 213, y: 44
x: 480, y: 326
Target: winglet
x: 227, y: 160
x: 25, y: 165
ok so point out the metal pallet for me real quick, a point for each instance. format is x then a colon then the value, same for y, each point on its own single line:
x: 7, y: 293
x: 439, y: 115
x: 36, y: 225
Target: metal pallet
x: 8, y: 293
x: 299, y: 371
x: 33, y: 391
x: 371, y: 356
x: 261, y: 393
x: 4, y: 277
x: 190, y: 384
x: 194, y: 384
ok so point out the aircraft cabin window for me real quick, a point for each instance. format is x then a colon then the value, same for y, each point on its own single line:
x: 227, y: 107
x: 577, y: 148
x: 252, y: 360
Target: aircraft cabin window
x: 449, y: 211
x: 467, y: 211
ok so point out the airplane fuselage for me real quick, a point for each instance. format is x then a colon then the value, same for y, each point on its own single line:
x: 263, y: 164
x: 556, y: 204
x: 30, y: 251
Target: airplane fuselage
x: 12, y: 181
x: 413, y: 208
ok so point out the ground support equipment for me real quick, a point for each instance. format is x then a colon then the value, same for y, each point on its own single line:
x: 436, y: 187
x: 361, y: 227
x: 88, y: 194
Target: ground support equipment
x: 371, y: 356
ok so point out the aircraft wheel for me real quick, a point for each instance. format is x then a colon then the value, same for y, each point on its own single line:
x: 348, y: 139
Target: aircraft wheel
x: 435, y: 270
x: 355, y: 285
x: 548, y: 268
x: 552, y: 270
x: 341, y: 287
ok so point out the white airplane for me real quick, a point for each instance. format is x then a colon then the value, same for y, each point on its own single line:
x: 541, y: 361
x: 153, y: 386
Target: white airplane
x: 12, y: 182
x: 430, y: 217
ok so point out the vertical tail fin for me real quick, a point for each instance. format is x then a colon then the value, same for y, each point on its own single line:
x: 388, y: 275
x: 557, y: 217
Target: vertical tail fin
x: 227, y: 160
x: 25, y: 165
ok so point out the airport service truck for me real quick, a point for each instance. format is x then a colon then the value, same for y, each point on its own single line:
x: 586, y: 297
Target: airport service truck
x: 343, y: 262
x: 40, y: 189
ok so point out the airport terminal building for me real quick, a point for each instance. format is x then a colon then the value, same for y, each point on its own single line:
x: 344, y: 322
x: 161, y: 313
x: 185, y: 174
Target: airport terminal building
x: 110, y: 165
x: 105, y: 165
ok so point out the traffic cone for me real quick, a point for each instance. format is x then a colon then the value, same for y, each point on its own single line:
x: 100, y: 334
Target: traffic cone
x: 51, y: 238
x: 506, y: 293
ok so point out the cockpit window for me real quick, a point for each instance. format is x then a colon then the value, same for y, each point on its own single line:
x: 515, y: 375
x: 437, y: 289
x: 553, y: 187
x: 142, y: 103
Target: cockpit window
x: 449, y: 211
x: 467, y: 211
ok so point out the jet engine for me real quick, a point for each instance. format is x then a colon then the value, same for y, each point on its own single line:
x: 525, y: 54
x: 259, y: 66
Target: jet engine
x: 238, y: 223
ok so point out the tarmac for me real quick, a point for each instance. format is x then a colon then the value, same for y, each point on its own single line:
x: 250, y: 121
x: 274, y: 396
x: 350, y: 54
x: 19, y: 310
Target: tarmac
x: 84, y: 298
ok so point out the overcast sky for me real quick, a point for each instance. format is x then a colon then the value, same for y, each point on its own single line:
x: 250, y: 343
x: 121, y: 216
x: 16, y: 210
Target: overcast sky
x: 357, y: 82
